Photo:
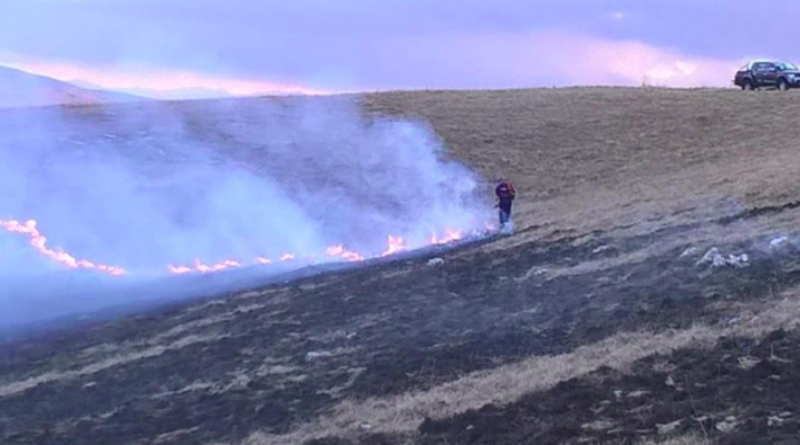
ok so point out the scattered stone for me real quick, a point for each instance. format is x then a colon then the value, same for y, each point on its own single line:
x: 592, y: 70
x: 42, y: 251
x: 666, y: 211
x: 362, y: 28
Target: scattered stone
x: 618, y: 394
x: 638, y: 394
x: 365, y: 427
x: 777, y: 243
x: 740, y: 261
x: 90, y: 385
x: 670, y: 382
x: 435, y: 262
x: 534, y: 271
x: 313, y: 355
x: 709, y: 256
x: 727, y: 425
x: 748, y: 363
x: 599, y: 425
x: 717, y: 260
x: 601, y: 249
x: 668, y: 428
x: 692, y: 251
x: 775, y: 421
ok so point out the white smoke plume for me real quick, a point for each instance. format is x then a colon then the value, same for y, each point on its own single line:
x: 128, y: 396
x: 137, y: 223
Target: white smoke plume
x: 143, y: 186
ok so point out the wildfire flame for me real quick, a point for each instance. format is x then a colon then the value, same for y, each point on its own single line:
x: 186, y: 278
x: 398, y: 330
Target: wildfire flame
x: 39, y: 242
x: 450, y: 235
x: 200, y: 267
x: 395, y: 244
x: 341, y: 252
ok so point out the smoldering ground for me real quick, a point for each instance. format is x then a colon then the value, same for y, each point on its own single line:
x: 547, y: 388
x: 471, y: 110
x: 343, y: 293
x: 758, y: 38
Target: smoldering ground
x: 144, y: 186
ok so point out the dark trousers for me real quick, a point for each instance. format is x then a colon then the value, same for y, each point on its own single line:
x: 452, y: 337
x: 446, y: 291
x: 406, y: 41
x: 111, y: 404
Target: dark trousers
x: 505, y: 213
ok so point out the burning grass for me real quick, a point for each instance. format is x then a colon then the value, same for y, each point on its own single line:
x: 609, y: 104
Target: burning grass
x: 38, y: 241
x: 643, y: 172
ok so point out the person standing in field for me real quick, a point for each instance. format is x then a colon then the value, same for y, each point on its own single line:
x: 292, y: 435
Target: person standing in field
x: 505, y: 195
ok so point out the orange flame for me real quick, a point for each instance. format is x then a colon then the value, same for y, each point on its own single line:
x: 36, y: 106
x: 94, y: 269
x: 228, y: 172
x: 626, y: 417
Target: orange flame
x: 200, y: 267
x: 180, y: 270
x: 39, y: 242
x: 450, y: 235
x: 340, y: 252
x: 396, y: 245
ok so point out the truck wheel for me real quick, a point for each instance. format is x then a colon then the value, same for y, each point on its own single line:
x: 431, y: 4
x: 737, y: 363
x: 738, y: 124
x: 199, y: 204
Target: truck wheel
x: 747, y: 86
x: 782, y: 85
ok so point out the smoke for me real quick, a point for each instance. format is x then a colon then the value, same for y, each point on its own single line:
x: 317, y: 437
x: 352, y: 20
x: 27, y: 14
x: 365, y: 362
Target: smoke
x: 143, y: 186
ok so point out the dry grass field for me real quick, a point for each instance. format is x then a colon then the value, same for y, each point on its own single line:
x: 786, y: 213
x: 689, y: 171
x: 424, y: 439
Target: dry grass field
x: 601, y: 321
x: 604, y: 157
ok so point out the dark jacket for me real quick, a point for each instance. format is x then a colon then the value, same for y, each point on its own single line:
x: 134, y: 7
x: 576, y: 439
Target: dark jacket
x: 505, y: 193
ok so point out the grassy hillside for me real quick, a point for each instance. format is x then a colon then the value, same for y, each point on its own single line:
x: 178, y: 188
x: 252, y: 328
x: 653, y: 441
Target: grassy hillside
x: 599, y: 321
x: 22, y: 89
x: 598, y: 155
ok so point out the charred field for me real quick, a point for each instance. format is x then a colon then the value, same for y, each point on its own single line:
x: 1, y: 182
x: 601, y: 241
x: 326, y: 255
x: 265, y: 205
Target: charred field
x: 603, y: 320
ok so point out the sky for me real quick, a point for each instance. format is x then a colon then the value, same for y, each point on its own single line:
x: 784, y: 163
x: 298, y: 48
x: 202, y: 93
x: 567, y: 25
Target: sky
x: 325, y: 46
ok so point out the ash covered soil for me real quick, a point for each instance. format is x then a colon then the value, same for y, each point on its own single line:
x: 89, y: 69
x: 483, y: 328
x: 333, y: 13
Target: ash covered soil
x: 601, y: 320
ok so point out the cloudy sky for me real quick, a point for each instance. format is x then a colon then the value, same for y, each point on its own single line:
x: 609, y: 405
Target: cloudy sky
x: 251, y: 46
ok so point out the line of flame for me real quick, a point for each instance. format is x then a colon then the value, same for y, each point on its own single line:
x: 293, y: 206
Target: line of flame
x: 450, y: 235
x: 395, y: 244
x: 39, y: 242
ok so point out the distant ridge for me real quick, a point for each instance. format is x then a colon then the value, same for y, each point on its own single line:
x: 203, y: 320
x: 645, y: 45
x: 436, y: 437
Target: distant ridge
x: 23, y: 89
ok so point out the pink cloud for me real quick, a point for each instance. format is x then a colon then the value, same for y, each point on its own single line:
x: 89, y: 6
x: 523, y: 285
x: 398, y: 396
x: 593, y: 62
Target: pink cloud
x: 581, y: 60
x: 450, y: 60
x: 123, y: 78
x: 633, y: 63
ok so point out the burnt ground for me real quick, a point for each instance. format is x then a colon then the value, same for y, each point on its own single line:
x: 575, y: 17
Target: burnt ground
x: 743, y: 392
x: 615, y: 198
x: 272, y: 359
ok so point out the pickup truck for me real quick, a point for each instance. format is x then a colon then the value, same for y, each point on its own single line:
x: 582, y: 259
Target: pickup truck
x: 764, y: 73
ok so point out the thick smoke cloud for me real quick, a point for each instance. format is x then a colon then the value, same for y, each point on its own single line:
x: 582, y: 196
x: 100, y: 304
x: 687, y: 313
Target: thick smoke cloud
x: 142, y: 186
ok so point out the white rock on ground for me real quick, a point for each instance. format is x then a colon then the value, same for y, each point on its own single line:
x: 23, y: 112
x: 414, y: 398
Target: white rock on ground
x: 709, y: 257
x: 716, y: 259
x: 313, y: 355
x: 778, y: 242
x: 740, y: 261
x: 601, y: 249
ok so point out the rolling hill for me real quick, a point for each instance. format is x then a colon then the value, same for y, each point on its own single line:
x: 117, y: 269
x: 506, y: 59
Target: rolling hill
x: 651, y: 294
x: 22, y: 89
